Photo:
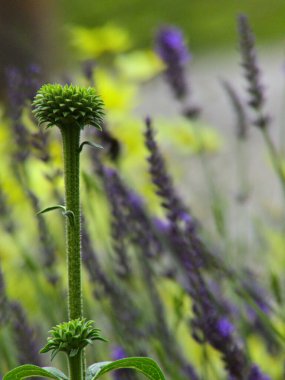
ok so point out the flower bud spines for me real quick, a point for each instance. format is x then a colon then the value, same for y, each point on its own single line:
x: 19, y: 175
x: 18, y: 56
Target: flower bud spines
x: 68, y: 105
x: 71, y: 337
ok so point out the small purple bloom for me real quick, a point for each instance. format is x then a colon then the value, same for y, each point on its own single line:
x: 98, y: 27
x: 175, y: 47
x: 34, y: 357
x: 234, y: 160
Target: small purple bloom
x: 135, y: 200
x: 256, y: 374
x: 162, y: 225
x: 185, y: 217
x: 109, y: 172
x: 225, y: 327
x: 118, y: 353
x: 170, y: 46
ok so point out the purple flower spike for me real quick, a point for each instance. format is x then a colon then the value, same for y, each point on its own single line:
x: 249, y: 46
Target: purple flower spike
x: 170, y: 46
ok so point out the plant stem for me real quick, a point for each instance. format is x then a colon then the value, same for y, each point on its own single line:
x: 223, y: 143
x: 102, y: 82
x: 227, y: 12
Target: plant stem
x: 75, y: 367
x: 71, y: 158
x: 274, y: 155
x: 217, y: 207
x: 71, y: 139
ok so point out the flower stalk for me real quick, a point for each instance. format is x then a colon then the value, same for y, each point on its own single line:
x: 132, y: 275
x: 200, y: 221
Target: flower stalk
x: 71, y: 159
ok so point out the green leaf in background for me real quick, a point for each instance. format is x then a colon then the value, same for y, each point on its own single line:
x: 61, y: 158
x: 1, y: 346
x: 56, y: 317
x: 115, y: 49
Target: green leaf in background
x: 29, y: 370
x: 146, y: 366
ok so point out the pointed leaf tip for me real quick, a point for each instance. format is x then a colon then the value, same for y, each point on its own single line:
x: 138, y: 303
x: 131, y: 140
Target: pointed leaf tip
x: 92, y: 144
x: 51, y: 208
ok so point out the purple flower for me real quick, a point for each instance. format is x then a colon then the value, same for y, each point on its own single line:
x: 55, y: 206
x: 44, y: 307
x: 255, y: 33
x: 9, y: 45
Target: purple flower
x: 119, y: 224
x: 185, y: 217
x: 256, y: 374
x: 21, y: 87
x: 118, y: 353
x: 24, y: 336
x: 225, y: 327
x: 208, y: 323
x: 47, y: 248
x: 160, y: 178
x: 135, y: 200
x: 170, y: 46
x: 161, y: 225
x: 252, y: 72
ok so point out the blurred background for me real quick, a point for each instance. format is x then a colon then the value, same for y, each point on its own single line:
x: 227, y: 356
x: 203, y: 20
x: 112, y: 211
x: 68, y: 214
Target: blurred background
x: 34, y: 28
x: 228, y: 181
x: 58, y: 35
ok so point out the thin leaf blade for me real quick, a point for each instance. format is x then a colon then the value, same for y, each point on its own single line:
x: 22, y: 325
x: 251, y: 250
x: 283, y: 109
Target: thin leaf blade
x: 51, y: 208
x: 92, y: 144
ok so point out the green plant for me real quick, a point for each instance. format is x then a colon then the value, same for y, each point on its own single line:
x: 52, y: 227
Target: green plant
x: 71, y: 108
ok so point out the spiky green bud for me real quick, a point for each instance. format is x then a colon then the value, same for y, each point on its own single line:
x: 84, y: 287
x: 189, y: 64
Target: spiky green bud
x: 71, y: 337
x: 68, y: 105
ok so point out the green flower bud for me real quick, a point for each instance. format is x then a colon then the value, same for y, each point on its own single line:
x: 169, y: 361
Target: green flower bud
x: 71, y: 337
x: 68, y: 105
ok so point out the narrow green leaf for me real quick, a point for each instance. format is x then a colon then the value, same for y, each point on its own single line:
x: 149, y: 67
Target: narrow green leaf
x: 48, y: 209
x: 146, y: 366
x: 29, y: 370
x: 94, y: 145
x: 69, y: 214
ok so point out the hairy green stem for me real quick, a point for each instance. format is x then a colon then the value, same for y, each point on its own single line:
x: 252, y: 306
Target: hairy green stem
x: 71, y: 158
x: 71, y: 139
x: 75, y: 367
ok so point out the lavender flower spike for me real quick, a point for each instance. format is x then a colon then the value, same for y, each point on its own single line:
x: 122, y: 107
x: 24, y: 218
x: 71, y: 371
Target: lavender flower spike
x: 24, y: 336
x: 171, y: 48
x: 252, y: 72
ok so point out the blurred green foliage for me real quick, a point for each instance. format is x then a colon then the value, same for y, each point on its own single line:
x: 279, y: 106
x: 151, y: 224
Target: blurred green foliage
x: 207, y: 24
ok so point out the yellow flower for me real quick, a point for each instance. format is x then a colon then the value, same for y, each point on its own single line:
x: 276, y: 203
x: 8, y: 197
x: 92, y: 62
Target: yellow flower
x: 93, y: 42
